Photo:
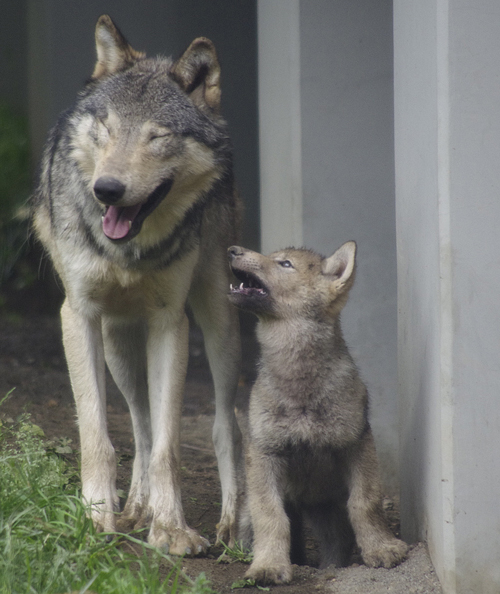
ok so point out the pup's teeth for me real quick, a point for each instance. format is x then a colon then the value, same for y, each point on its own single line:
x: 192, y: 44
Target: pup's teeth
x: 241, y: 287
x: 231, y: 286
x: 129, y: 225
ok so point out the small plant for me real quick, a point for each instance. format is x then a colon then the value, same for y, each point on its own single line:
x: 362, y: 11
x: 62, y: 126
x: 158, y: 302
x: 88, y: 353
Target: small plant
x: 48, y: 544
x: 239, y: 554
x: 236, y: 554
x: 247, y: 583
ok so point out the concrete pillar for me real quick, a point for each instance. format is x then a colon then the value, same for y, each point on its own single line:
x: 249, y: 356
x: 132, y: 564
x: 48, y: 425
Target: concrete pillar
x: 447, y: 131
x: 327, y: 167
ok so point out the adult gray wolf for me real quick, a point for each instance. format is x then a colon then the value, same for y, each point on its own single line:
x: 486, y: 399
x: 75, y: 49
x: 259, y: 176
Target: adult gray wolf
x: 136, y: 206
x: 310, y: 451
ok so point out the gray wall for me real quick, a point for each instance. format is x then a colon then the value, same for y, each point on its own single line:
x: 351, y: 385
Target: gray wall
x: 62, y: 56
x: 348, y: 181
x: 13, y: 55
x: 327, y: 168
x: 447, y: 98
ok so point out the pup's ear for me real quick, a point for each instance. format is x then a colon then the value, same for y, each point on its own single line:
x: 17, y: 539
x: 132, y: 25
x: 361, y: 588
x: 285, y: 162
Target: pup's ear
x: 340, y: 266
x: 197, y: 72
x: 113, y: 51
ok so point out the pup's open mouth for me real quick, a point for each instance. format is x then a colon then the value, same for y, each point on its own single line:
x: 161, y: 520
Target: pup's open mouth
x: 249, y: 285
x: 122, y: 223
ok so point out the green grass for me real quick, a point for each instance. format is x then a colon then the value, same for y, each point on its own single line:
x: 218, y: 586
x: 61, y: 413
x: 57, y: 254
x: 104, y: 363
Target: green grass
x: 47, y: 543
x: 237, y: 554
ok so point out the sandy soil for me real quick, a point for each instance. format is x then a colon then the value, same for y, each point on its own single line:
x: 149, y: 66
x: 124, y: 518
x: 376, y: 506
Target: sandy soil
x: 32, y: 362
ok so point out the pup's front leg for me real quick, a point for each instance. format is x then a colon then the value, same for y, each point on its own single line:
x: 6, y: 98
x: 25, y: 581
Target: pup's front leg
x: 379, y: 547
x: 167, y: 351
x: 271, y: 525
x: 83, y: 346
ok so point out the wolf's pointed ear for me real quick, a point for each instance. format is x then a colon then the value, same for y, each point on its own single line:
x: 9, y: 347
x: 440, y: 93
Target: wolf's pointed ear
x: 197, y: 72
x: 340, y: 266
x: 113, y: 51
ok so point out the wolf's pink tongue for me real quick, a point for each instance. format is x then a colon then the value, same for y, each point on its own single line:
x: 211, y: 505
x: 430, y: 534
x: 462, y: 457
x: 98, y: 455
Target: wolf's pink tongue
x: 117, y: 221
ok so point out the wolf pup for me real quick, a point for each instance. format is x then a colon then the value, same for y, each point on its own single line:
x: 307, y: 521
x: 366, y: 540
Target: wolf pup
x: 310, y: 453
x: 136, y: 206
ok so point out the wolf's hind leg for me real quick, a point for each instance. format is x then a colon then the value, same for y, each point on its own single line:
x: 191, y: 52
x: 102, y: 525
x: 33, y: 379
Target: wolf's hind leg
x: 125, y: 350
x: 220, y: 326
x: 379, y: 548
x: 297, y: 537
x: 83, y: 346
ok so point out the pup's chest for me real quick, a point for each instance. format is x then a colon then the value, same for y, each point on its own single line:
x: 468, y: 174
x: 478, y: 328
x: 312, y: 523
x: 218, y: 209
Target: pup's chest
x: 279, y: 424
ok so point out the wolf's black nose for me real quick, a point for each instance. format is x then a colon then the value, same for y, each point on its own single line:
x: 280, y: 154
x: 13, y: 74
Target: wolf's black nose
x: 234, y: 251
x: 108, y: 189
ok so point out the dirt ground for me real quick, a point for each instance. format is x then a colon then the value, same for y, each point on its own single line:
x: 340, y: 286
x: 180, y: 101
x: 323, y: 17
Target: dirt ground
x: 32, y: 362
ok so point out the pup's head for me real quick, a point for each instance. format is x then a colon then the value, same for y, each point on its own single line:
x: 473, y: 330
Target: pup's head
x: 145, y: 129
x: 292, y: 282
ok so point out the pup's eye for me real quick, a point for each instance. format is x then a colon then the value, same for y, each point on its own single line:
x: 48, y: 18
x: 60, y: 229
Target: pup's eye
x: 286, y: 264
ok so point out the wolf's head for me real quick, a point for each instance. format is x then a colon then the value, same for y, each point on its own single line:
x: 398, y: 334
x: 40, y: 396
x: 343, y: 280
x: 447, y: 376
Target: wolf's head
x: 147, y: 128
x: 293, y: 282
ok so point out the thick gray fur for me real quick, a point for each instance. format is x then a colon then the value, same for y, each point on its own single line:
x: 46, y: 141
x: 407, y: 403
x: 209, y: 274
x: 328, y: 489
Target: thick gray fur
x: 310, y: 454
x: 136, y: 206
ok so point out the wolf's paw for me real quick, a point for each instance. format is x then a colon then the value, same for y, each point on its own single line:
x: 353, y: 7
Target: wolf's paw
x: 178, y: 541
x: 227, y: 532
x: 135, y: 515
x: 104, y: 521
x: 128, y: 522
x: 104, y: 512
x: 267, y: 574
x: 388, y: 555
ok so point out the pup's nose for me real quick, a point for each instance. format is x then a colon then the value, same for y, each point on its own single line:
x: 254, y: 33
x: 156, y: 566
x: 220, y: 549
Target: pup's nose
x: 108, y: 189
x: 234, y: 251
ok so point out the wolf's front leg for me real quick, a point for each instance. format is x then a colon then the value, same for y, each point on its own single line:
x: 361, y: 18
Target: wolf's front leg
x: 125, y: 351
x: 83, y: 346
x: 271, y: 526
x: 379, y: 548
x: 167, y: 351
x: 219, y: 322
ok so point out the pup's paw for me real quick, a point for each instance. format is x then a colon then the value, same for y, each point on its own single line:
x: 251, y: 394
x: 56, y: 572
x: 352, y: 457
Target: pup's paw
x: 267, y: 574
x: 389, y: 554
x: 178, y: 541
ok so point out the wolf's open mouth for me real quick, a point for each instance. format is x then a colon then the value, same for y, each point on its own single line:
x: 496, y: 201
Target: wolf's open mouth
x: 249, y: 284
x: 125, y: 222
